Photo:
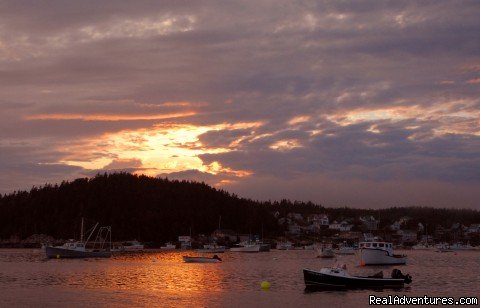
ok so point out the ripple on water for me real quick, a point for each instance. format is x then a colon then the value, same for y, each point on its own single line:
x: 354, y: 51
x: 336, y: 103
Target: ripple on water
x: 154, y: 277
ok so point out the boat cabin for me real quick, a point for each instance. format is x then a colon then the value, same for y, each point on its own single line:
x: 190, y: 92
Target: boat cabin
x: 378, y: 246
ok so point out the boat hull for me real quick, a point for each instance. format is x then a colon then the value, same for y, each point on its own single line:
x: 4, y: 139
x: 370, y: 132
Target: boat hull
x: 325, y: 253
x: 253, y: 248
x: 380, y: 257
x: 211, y: 250
x: 61, y: 253
x: 187, y: 259
x: 316, y: 280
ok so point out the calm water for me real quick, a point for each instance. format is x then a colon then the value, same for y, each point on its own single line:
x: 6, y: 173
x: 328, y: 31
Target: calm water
x: 27, y: 279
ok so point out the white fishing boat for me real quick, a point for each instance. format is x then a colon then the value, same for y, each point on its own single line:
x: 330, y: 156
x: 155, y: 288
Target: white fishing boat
x: 99, y: 248
x: 325, y: 251
x: 246, y: 247
x: 133, y: 246
x: 212, y: 248
x: 195, y: 259
x: 168, y: 246
x: 443, y: 247
x: 379, y: 253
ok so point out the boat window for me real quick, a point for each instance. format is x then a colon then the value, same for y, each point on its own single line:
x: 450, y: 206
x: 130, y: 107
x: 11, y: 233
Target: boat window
x: 389, y: 245
x: 374, y: 245
x: 368, y: 244
x: 381, y: 245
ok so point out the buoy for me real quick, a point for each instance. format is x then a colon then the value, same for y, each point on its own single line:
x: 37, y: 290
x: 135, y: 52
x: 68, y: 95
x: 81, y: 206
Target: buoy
x: 265, y: 285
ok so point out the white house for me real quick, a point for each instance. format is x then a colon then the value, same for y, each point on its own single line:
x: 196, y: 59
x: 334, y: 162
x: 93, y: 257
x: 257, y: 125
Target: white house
x: 342, y: 226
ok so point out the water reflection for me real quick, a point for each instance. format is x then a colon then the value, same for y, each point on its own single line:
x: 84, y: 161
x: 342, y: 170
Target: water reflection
x: 146, y: 279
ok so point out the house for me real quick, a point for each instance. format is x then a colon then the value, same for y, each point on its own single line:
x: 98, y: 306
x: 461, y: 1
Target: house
x: 342, y: 226
x: 397, y: 225
x: 473, y: 228
x: 318, y: 222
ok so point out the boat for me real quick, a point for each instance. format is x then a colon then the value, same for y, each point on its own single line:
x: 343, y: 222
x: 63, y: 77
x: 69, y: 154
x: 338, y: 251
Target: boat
x: 212, y: 248
x: 379, y: 253
x: 264, y: 247
x: 168, y: 246
x: 246, y: 247
x: 285, y: 246
x: 325, y: 252
x: 443, y: 247
x: 191, y: 259
x: 339, y: 278
x: 132, y: 246
x: 461, y: 246
x: 422, y: 246
x: 79, y: 249
x: 345, y: 250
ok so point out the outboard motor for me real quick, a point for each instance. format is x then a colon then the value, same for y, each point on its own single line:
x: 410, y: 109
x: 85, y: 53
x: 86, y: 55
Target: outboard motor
x: 397, y: 274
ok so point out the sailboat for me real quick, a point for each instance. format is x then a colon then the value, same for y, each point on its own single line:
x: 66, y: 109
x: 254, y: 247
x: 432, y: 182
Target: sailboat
x: 78, y: 249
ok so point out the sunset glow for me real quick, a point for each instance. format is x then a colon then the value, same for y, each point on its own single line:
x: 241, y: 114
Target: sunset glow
x: 249, y: 97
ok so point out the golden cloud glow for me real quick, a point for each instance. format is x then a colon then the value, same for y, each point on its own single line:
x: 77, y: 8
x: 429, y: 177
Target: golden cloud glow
x: 164, y: 148
x: 285, y: 145
x: 474, y: 81
x: 108, y: 117
x: 452, y: 117
x: 299, y: 119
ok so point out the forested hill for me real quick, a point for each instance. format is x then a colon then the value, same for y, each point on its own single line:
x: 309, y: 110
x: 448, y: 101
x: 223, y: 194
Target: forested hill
x: 158, y: 210
x: 142, y: 207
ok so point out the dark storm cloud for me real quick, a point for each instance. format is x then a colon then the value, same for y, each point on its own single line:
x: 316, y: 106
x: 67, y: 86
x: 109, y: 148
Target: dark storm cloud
x: 386, y: 89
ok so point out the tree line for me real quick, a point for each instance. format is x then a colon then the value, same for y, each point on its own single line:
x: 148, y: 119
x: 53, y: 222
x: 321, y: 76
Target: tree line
x: 158, y: 209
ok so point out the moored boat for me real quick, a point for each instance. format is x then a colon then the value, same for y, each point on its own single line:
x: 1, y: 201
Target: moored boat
x: 285, y: 246
x: 344, y: 249
x: 168, y: 246
x: 246, y: 247
x: 422, y: 246
x: 194, y: 259
x: 78, y: 249
x: 212, y: 248
x: 379, y: 253
x: 339, y: 278
x: 325, y: 251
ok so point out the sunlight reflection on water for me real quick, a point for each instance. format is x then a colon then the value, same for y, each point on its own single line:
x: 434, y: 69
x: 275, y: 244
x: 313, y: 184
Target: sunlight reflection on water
x: 27, y: 278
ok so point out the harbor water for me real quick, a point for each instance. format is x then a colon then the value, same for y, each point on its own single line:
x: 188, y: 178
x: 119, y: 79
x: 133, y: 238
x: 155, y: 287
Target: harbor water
x: 162, y: 279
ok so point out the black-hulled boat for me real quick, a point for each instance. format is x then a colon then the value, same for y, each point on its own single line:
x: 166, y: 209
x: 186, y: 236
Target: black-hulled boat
x: 339, y: 278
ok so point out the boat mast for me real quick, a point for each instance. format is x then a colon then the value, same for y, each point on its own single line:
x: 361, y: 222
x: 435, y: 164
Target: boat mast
x: 81, y: 231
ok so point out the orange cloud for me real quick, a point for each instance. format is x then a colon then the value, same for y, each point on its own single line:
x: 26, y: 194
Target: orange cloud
x: 473, y: 81
x: 108, y: 117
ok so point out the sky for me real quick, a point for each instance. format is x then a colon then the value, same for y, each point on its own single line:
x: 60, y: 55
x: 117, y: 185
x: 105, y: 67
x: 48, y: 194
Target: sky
x: 365, y: 104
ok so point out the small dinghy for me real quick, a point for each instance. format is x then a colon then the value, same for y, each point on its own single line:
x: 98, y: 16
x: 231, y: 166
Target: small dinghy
x: 339, y: 278
x: 214, y: 259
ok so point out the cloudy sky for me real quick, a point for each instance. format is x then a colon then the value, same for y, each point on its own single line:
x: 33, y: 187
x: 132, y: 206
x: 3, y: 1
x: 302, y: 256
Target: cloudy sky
x: 361, y: 103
